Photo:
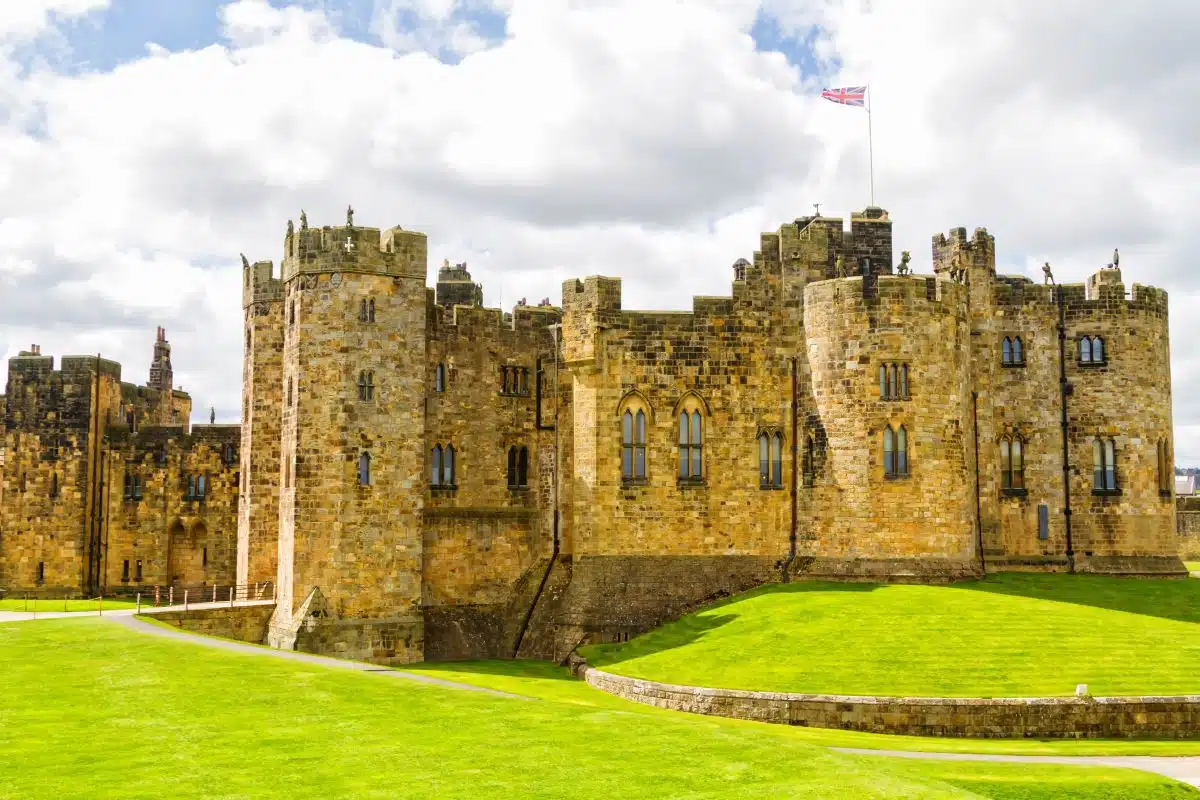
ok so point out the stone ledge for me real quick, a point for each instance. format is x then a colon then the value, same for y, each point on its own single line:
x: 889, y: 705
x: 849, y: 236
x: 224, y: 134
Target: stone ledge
x: 1030, y: 717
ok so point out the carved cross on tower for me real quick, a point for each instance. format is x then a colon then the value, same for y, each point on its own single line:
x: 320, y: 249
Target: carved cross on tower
x: 349, y: 245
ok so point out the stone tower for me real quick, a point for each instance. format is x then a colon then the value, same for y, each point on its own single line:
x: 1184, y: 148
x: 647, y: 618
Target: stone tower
x: 455, y: 287
x: 161, y: 375
x: 352, y: 443
x: 262, y: 404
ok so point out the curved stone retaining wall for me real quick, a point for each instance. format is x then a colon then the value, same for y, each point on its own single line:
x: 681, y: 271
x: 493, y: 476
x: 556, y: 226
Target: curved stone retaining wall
x: 1038, y: 717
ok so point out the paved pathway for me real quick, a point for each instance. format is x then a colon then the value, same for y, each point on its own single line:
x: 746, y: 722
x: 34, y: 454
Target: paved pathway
x: 133, y: 623
x: 1181, y: 768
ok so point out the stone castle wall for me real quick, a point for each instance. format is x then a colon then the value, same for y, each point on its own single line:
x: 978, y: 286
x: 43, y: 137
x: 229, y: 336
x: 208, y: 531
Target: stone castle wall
x: 69, y: 521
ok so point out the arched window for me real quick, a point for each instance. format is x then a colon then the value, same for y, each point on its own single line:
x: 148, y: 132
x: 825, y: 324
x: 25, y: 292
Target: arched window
x: 1104, y: 469
x: 435, y: 476
x: 371, y: 310
x: 439, y: 378
x: 904, y: 381
x: 1085, y: 350
x: 364, y: 469
x: 690, y: 443
x: 764, y: 461
x: 1018, y: 352
x: 1098, y: 350
x: 518, y: 467
x: 1006, y: 351
x: 889, y: 452
x: 201, y: 487
x: 1012, y: 463
x: 191, y: 487
x: 633, y: 445
x: 777, y: 459
x: 448, y: 466
x: 902, y: 451
x: 362, y: 310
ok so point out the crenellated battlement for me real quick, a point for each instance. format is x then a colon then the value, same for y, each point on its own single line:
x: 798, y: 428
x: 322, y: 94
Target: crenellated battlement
x: 935, y: 291
x: 957, y: 252
x: 259, y: 284
x: 350, y: 248
x: 1103, y: 292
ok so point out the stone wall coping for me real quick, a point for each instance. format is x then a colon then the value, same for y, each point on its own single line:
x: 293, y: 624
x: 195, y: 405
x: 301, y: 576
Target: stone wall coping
x: 642, y: 685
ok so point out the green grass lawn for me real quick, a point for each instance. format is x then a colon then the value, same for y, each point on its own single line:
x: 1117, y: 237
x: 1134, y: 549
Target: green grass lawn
x: 1193, y: 566
x: 22, y: 604
x: 551, y: 682
x: 208, y: 723
x: 1010, y: 635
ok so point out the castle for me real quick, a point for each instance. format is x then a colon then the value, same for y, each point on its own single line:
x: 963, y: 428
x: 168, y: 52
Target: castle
x: 421, y: 477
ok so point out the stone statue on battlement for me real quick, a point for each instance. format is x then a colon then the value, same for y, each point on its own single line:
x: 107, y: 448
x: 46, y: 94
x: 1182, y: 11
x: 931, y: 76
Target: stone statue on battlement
x: 245, y: 261
x: 291, y: 229
x: 1049, y: 280
x: 303, y: 220
x: 903, y: 268
x: 349, y: 216
x: 1116, y: 258
x: 840, y: 267
x: 212, y: 415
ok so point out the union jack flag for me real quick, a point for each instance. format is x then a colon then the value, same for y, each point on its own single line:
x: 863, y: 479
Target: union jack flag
x: 848, y: 96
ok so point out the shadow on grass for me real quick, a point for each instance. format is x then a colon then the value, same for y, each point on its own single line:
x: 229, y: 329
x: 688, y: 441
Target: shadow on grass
x: 693, y: 627
x: 1175, y: 599
x: 541, y: 670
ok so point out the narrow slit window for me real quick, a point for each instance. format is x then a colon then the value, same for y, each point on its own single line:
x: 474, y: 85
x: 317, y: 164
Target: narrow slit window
x: 435, y: 477
x: 448, y: 466
x: 639, y: 446
x: 439, y: 378
x: 810, y: 467
x: 904, y: 381
x: 1005, y: 464
x: 1006, y: 356
x: 364, y: 469
x: 1018, y: 465
x: 523, y: 467
x: 902, y: 451
x: 1018, y: 351
x: 777, y: 460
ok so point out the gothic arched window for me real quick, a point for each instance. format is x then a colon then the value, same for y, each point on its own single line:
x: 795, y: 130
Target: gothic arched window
x: 364, y: 469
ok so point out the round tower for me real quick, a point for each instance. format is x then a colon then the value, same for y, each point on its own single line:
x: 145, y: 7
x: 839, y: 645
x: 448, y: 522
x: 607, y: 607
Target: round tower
x: 352, y: 442
x: 890, y: 362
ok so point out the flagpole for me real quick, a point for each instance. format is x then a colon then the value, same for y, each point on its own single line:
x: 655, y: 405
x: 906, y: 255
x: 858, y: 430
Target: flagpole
x: 870, y: 146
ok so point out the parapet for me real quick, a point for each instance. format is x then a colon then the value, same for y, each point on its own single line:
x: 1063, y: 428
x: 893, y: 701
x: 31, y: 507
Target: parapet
x: 352, y: 249
x: 958, y: 252
x: 455, y: 287
x: 933, y: 291
x: 259, y: 284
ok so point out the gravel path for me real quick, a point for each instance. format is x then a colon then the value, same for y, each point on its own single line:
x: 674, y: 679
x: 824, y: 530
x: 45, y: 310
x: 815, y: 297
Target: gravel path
x: 1181, y: 768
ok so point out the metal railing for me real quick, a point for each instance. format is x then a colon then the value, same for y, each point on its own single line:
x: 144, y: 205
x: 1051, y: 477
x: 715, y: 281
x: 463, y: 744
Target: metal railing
x: 207, y: 595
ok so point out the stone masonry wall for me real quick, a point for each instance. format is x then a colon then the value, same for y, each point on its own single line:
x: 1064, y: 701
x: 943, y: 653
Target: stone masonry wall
x: 1187, y: 514
x: 1000, y: 718
x: 860, y: 514
x: 359, y: 545
x: 262, y: 407
x: 246, y: 623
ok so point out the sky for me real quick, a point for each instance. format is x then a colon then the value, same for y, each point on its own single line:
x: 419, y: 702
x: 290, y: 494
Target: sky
x: 147, y: 144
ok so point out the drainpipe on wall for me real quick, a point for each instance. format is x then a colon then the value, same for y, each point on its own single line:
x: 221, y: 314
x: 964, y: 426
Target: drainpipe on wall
x: 554, y: 329
x: 978, y: 509
x: 1065, y: 389
x: 787, y: 564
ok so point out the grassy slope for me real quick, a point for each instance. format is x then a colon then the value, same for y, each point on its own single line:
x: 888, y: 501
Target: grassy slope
x: 21, y: 604
x: 210, y: 723
x: 549, y: 682
x: 1011, y: 635
x: 1193, y: 566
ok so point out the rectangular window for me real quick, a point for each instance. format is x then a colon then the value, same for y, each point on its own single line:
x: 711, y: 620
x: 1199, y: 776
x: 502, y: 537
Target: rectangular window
x: 1043, y: 521
x: 138, y: 576
x: 125, y: 571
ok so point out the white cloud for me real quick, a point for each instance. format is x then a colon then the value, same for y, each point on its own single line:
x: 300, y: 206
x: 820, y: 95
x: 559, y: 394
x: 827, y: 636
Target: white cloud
x: 641, y: 138
x: 27, y: 19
